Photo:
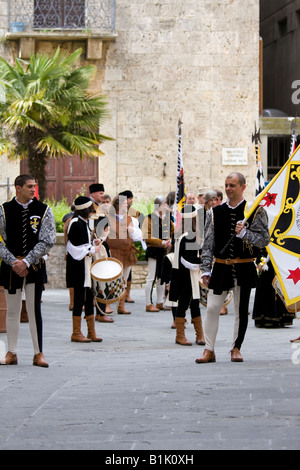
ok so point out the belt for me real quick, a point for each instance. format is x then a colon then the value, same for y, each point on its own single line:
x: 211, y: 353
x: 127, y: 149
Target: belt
x: 234, y: 261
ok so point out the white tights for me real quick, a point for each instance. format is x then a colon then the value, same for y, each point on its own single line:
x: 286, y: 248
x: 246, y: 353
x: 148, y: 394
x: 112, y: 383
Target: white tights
x: 14, y: 304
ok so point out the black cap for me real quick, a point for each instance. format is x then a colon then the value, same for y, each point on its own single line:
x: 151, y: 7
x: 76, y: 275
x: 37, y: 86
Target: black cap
x: 126, y: 193
x: 94, y: 188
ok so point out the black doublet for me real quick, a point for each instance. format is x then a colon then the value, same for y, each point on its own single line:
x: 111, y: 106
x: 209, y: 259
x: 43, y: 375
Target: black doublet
x: 223, y: 276
x: 180, y: 278
x: 75, y: 270
x: 22, y: 234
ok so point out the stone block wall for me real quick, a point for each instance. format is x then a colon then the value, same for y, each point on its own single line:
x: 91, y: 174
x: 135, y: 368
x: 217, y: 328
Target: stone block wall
x: 194, y: 60
x: 197, y: 61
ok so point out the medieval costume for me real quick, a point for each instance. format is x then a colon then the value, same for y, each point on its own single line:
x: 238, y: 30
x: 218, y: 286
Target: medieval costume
x: 139, y: 217
x: 185, y: 287
x: 233, y: 268
x: 269, y: 311
x: 101, y: 232
x: 78, y: 273
x: 166, y: 274
x: 158, y: 230
x: 28, y: 232
x: 124, y: 230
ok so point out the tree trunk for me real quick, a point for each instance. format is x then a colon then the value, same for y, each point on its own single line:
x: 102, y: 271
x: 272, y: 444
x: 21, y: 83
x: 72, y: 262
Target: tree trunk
x: 36, y: 162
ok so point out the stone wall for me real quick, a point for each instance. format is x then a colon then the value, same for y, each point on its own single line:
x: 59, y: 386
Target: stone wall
x: 197, y: 61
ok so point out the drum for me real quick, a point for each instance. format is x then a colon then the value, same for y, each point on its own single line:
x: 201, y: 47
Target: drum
x: 293, y: 308
x: 204, y: 292
x: 108, y: 281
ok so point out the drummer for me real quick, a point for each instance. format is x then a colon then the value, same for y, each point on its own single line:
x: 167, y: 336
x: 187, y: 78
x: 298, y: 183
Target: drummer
x: 101, y: 232
x: 79, y: 259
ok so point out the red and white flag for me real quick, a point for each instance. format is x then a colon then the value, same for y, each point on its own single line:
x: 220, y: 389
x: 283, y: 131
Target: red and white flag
x: 281, y: 200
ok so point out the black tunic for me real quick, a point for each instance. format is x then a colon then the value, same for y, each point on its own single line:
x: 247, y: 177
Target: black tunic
x: 181, y: 278
x: 223, y: 276
x: 22, y: 233
x: 75, y: 270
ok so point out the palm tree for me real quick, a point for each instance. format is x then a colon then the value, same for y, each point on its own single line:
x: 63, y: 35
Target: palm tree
x: 47, y: 111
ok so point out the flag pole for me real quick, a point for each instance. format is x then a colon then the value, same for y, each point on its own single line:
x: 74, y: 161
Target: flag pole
x: 180, y: 192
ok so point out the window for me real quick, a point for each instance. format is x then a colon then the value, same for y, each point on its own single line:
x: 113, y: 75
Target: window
x: 59, y: 14
x: 279, y: 148
x: 283, y: 27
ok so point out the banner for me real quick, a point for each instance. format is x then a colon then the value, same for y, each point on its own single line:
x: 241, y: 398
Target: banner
x: 180, y: 189
x: 281, y: 200
x: 260, y: 182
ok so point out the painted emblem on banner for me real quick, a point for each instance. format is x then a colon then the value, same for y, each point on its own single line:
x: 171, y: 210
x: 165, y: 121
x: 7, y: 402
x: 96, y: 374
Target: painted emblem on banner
x: 284, y: 231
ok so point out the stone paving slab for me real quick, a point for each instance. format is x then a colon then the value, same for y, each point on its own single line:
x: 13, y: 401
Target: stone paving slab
x: 139, y: 391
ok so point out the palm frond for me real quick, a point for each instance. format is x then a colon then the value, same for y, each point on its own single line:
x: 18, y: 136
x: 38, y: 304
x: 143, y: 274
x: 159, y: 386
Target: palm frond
x: 54, y: 147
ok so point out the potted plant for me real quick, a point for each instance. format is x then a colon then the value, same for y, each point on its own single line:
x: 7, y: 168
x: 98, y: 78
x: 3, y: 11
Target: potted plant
x: 17, y: 27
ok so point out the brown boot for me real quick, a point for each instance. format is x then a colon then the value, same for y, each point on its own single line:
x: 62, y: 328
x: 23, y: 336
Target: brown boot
x: 77, y: 336
x: 71, y: 294
x: 236, y: 355
x: 90, y: 320
x: 180, y: 336
x: 121, y: 307
x: 40, y: 361
x: 24, y: 314
x: 197, y: 322
x: 128, y: 298
x: 9, y: 360
x: 208, y: 356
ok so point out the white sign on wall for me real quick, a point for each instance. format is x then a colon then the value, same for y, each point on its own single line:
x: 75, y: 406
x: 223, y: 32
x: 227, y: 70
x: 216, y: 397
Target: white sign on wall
x: 235, y: 156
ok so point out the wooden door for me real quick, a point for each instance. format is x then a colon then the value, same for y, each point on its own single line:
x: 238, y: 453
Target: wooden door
x: 68, y: 177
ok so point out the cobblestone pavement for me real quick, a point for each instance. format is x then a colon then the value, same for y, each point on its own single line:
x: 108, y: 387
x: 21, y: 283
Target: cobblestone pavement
x: 139, y: 391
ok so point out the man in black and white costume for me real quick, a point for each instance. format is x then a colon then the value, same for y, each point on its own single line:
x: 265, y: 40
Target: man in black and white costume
x: 27, y: 228
x: 80, y: 249
x: 228, y: 255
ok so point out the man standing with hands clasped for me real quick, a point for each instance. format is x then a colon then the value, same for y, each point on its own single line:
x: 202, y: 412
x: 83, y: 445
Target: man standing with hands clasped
x: 28, y: 232
x: 233, y: 247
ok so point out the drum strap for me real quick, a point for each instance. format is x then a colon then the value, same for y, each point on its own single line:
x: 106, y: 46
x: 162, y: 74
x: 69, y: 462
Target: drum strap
x: 234, y: 261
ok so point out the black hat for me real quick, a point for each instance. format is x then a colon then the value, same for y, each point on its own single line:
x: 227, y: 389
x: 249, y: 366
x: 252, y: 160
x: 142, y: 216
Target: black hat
x: 210, y: 195
x: 126, y: 193
x: 94, y: 188
x: 82, y: 202
x: 188, y: 212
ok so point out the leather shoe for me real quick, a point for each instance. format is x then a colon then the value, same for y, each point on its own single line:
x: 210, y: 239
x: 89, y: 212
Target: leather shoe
x: 236, y: 355
x: 40, y: 361
x: 10, y: 359
x: 151, y: 308
x: 104, y: 319
x: 160, y: 306
x: 208, y: 356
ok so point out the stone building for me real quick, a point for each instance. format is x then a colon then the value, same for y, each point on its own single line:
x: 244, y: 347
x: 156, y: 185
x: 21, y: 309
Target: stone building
x: 157, y: 62
x: 280, y: 32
